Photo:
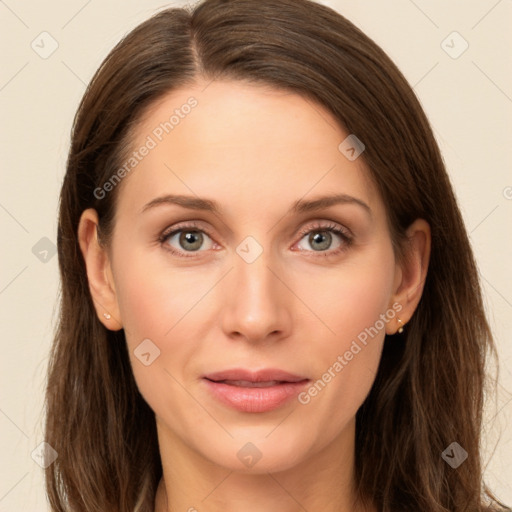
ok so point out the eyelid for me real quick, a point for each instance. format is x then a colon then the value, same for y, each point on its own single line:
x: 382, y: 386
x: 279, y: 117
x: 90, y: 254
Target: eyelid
x: 182, y: 226
x: 331, y: 226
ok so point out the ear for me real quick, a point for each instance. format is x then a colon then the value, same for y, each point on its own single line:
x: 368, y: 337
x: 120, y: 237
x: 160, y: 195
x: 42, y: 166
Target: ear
x: 99, y: 273
x: 410, y: 274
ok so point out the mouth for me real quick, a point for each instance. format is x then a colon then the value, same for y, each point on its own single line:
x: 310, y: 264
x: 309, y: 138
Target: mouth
x: 266, y: 375
x: 254, y: 392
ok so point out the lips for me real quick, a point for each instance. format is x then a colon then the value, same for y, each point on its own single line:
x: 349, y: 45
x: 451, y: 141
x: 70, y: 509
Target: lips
x: 254, y: 391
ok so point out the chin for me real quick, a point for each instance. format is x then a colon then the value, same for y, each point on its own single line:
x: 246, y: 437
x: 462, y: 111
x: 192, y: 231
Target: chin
x: 259, y: 453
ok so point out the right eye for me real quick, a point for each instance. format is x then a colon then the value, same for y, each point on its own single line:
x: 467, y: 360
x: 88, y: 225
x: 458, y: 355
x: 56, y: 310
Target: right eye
x: 185, y: 239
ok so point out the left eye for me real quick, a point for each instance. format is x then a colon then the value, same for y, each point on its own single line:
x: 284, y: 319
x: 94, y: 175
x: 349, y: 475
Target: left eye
x: 321, y: 239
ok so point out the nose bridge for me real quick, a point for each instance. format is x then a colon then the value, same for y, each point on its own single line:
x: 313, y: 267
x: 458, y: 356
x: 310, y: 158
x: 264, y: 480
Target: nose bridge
x: 256, y: 306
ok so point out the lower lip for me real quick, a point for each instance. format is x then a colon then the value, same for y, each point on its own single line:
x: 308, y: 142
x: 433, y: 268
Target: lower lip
x: 255, y: 399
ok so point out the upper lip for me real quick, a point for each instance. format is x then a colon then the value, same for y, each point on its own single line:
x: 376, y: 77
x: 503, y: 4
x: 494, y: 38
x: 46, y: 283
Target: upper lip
x: 264, y: 375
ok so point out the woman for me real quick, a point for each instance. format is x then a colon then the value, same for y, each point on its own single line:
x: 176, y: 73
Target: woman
x: 269, y: 300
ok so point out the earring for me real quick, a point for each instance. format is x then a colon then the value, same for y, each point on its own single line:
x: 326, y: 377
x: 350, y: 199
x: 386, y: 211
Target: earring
x: 107, y: 316
x: 401, y: 328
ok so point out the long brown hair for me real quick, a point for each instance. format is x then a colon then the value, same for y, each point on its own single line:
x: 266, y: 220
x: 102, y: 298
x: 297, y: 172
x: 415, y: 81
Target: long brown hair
x: 430, y: 385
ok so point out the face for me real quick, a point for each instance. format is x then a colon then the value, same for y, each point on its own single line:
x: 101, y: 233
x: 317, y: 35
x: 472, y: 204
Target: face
x: 272, y: 278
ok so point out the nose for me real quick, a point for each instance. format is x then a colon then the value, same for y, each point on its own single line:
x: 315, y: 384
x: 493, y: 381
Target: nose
x: 257, y: 305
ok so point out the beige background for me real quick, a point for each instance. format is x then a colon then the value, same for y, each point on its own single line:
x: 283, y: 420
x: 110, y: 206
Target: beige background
x: 468, y: 100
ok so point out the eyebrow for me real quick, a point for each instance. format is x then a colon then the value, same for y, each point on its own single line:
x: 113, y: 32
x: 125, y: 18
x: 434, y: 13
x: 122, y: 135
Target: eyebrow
x: 300, y: 206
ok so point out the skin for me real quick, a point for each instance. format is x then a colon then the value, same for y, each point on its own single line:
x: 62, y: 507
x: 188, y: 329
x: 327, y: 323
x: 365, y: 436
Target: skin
x: 254, y: 150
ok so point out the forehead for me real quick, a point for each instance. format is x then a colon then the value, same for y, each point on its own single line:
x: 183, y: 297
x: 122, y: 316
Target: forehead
x: 250, y: 145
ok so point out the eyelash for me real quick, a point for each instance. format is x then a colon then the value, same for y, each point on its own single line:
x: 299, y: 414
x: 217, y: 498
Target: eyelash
x: 344, y: 234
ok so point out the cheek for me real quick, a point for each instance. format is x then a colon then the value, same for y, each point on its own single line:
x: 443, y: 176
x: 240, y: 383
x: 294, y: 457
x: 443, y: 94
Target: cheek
x: 154, y: 299
x: 350, y: 296
x: 164, y: 306
x: 354, y: 304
